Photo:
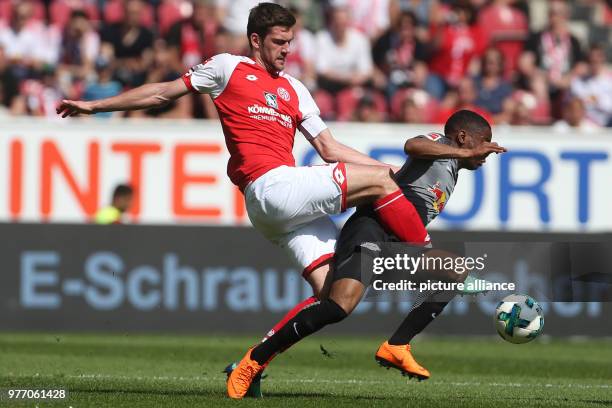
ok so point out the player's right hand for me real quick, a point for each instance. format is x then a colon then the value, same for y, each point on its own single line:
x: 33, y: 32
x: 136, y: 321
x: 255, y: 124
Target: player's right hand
x: 486, y: 148
x: 74, y: 108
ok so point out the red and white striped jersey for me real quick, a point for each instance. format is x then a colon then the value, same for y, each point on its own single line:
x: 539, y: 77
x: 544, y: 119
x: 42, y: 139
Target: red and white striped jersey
x: 259, y: 113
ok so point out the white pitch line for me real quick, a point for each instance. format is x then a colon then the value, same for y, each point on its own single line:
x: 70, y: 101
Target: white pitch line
x: 317, y: 381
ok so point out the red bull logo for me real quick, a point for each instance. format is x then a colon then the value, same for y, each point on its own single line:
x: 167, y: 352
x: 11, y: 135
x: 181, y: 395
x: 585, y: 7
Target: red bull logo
x: 440, y: 195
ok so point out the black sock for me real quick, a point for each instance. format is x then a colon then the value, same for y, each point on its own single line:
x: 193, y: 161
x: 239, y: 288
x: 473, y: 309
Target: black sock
x: 309, y: 320
x: 418, y: 318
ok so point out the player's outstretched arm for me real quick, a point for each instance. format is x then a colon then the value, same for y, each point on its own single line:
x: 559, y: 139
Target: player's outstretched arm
x: 143, y: 97
x: 332, y: 151
x: 423, y: 148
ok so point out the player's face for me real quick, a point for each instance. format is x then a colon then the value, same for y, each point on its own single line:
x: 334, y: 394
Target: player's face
x: 472, y: 141
x: 275, y: 47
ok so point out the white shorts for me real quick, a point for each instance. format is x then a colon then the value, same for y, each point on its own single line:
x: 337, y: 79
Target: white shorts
x: 291, y: 206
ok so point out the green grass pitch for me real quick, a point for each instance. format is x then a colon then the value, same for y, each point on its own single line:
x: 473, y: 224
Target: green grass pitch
x: 185, y: 371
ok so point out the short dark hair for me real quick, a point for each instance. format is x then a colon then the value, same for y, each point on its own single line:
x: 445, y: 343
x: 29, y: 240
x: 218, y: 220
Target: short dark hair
x: 466, y: 120
x: 122, y: 190
x: 267, y: 15
x: 78, y: 13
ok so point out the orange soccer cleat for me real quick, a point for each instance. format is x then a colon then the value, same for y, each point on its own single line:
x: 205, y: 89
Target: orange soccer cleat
x: 240, y: 379
x: 400, y: 357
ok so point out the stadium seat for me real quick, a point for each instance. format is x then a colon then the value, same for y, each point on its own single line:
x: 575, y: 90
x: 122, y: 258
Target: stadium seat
x: 6, y: 7
x: 170, y: 12
x: 539, y: 110
x: 599, y: 34
x: 582, y: 12
x: 113, y: 13
x: 60, y: 11
x: 347, y: 101
x: 426, y: 102
x: 325, y: 102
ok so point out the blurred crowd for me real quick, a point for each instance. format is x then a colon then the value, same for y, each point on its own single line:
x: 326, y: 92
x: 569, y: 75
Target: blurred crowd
x: 518, y: 62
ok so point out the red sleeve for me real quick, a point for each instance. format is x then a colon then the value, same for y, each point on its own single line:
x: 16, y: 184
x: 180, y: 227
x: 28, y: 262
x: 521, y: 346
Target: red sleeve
x: 187, y: 80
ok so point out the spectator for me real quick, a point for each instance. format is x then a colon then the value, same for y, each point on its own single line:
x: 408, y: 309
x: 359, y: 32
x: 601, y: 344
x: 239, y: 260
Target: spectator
x: 23, y: 40
x: 574, y: 119
x: 301, y: 59
x: 123, y: 196
x: 102, y: 85
x: 167, y: 67
x: 397, y: 52
x: 9, y: 85
x: 425, y: 11
x: 455, y: 45
x: 79, y: 48
x: 41, y: 95
x: 595, y: 88
x: 60, y: 11
x: 367, y: 111
x: 416, y: 107
x: 491, y: 87
x: 464, y: 97
x: 371, y: 17
x: 233, y: 15
x: 506, y: 29
x: 344, y: 58
x: 131, y: 43
x: 527, y: 107
x: 194, y: 39
x: 555, y: 51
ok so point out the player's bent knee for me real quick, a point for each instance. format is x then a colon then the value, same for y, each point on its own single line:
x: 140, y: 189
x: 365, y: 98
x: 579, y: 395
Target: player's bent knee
x: 320, y: 280
x: 348, y: 302
x: 387, y: 183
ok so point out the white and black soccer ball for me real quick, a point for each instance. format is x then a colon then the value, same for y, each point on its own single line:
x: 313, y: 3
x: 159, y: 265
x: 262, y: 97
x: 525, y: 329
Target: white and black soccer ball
x: 519, y: 319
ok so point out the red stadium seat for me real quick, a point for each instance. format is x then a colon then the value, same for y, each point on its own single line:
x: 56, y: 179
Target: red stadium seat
x: 426, y: 102
x: 168, y: 13
x: 325, y: 102
x: 60, y: 11
x: 6, y: 7
x: 347, y: 102
x: 539, y: 110
x: 113, y: 13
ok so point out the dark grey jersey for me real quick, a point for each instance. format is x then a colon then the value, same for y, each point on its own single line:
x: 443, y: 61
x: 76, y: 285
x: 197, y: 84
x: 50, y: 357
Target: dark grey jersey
x: 428, y: 184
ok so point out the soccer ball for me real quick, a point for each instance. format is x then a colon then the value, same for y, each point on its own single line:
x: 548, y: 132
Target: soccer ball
x: 519, y: 319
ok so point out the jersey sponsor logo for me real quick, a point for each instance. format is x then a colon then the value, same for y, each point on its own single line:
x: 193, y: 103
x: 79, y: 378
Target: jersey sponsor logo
x: 259, y: 112
x: 251, y: 77
x: 440, y: 197
x: 271, y: 100
x: 283, y: 93
x: 433, y: 136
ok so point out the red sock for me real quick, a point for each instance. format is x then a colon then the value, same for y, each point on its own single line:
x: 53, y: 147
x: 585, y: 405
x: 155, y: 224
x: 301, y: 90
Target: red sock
x: 290, y: 315
x: 399, y: 217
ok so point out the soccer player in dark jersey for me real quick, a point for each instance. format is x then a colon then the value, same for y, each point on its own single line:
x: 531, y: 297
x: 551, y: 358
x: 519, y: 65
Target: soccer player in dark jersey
x: 427, y: 183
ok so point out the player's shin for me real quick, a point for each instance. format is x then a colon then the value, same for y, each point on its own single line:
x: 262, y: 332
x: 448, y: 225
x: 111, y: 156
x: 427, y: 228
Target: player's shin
x: 308, y: 321
x: 290, y: 315
x: 416, y: 321
x: 397, y: 214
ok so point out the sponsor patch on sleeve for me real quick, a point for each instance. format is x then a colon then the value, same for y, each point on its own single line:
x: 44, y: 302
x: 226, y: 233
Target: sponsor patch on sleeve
x: 433, y: 136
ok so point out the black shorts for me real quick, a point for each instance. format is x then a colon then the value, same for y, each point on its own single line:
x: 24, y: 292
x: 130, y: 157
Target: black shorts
x: 360, y: 242
x: 352, y: 257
